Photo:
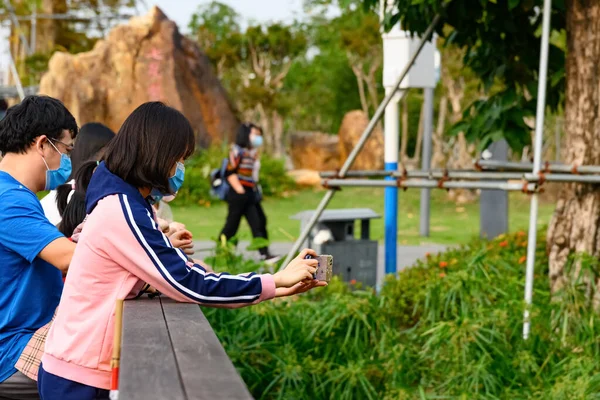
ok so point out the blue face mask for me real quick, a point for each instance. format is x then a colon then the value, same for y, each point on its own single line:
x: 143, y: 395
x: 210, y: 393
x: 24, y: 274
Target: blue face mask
x: 256, y: 141
x: 175, y: 183
x: 57, y: 177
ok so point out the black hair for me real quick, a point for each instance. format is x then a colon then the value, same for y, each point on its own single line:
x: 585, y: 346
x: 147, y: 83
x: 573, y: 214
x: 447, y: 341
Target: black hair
x: 242, y: 138
x: 74, y: 212
x: 33, y: 117
x: 149, y: 144
x: 91, y: 140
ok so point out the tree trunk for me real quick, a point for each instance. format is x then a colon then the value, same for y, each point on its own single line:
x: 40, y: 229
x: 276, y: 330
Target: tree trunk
x: 48, y: 29
x: 361, y: 88
x: 371, y: 82
x: 277, y: 127
x: 404, y: 140
x: 575, y: 224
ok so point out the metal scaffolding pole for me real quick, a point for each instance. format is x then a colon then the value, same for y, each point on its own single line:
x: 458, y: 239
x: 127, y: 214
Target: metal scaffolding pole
x: 491, y: 165
x: 431, y: 184
x: 433, y: 174
x: 563, y: 178
x: 537, y: 158
x: 465, y: 175
x: 363, y: 139
x: 426, y: 161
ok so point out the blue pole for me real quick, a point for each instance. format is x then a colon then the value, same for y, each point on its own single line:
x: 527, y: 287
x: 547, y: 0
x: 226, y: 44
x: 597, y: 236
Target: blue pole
x: 390, y: 203
x: 390, y: 213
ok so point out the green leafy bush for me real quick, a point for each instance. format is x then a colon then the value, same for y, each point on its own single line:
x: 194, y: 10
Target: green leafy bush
x: 449, y: 327
x: 196, y: 187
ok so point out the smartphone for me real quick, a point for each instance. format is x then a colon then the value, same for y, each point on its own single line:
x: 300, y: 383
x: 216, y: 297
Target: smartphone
x: 325, y: 268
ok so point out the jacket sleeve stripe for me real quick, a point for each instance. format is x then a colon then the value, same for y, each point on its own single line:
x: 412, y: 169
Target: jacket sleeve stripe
x: 166, y: 274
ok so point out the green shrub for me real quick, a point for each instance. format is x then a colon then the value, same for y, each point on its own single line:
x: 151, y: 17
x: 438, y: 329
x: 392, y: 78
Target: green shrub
x: 196, y: 187
x: 448, y: 328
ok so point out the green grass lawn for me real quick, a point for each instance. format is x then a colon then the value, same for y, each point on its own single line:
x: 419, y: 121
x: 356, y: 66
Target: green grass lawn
x: 450, y: 223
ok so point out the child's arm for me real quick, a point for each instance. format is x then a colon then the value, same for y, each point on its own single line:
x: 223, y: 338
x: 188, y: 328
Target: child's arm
x: 147, y: 253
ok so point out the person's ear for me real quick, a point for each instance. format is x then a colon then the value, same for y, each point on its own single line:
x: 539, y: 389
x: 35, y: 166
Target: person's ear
x: 39, y: 144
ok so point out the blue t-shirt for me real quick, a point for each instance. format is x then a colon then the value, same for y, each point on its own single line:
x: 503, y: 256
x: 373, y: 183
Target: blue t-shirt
x: 30, y: 288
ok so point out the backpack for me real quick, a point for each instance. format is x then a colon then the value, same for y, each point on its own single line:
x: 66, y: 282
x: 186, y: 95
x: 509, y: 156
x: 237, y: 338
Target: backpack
x: 219, y: 187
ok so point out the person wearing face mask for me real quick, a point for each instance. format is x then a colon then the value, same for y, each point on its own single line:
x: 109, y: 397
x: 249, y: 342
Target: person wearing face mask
x: 121, y: 249
x: 244, y: 197
x: 36, y: 137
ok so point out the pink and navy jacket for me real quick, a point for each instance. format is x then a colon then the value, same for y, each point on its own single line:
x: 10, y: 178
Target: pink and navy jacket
x: 121, y: 248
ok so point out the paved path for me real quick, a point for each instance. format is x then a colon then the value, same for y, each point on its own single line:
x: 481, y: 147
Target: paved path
x: 407, y: 255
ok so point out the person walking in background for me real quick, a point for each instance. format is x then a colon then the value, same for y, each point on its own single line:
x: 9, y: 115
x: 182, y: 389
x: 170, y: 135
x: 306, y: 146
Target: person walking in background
x: 244, y: 197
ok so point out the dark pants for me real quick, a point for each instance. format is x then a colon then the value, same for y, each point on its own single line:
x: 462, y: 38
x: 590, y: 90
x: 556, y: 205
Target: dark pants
x: 245, y: 205
x: 54, y: 387
x: 19, y: 387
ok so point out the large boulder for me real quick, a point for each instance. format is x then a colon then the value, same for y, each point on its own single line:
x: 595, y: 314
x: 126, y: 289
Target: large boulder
x: 314, y: 150
x: 371, y: 155
x: 144, y: 60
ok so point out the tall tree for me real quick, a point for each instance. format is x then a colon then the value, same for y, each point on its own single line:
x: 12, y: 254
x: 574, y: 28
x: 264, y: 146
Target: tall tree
x: 253, y: 63
x: 359, y: 34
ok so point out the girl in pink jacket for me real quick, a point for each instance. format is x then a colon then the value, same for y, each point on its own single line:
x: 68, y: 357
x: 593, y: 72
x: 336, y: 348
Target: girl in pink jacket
x: 121, y: 248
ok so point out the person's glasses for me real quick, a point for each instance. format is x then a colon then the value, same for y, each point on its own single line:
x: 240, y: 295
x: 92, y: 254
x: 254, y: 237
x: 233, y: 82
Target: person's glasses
x: 68, y: 147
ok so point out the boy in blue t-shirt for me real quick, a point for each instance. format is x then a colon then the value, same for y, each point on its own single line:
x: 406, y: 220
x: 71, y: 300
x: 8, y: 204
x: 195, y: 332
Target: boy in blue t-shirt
x: 36, y: 137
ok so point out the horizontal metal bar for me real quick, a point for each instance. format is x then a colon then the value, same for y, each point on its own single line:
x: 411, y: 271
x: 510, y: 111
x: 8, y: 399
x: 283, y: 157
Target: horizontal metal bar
x: 73, y: 17
x: 433, y: 174
x: 526, y: 167
x: 426, y: 183
x: 564, y: 178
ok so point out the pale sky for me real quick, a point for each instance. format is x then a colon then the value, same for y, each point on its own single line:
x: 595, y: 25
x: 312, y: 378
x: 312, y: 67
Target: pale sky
x: 257, y: 10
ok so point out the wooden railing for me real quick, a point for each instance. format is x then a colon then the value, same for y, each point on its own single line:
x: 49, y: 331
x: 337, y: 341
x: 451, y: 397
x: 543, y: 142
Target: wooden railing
x: 170, y: 352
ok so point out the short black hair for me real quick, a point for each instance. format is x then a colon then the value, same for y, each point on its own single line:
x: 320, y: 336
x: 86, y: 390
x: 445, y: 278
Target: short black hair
x: 149, y: 144
x: 242, y: 138
x: 33, y: 117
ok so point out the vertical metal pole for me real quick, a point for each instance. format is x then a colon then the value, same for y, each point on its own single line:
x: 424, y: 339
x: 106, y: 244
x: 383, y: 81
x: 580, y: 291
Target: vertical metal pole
x: 537, y: 157
x: 390, y: 203
x: 426, y: 160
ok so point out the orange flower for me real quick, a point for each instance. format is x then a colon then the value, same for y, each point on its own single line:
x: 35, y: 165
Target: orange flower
x: 443, y: 264
x: 353, y: 282
x: 522, y: 259
x: 503, y: 243
x: 442, y: 275
x: 521, y: 233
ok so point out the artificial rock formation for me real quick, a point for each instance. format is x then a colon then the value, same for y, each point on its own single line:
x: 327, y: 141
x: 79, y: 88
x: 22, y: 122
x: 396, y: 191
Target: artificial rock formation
x: 371, y: 155
x: 144, y: 60
x: 314, y: 151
